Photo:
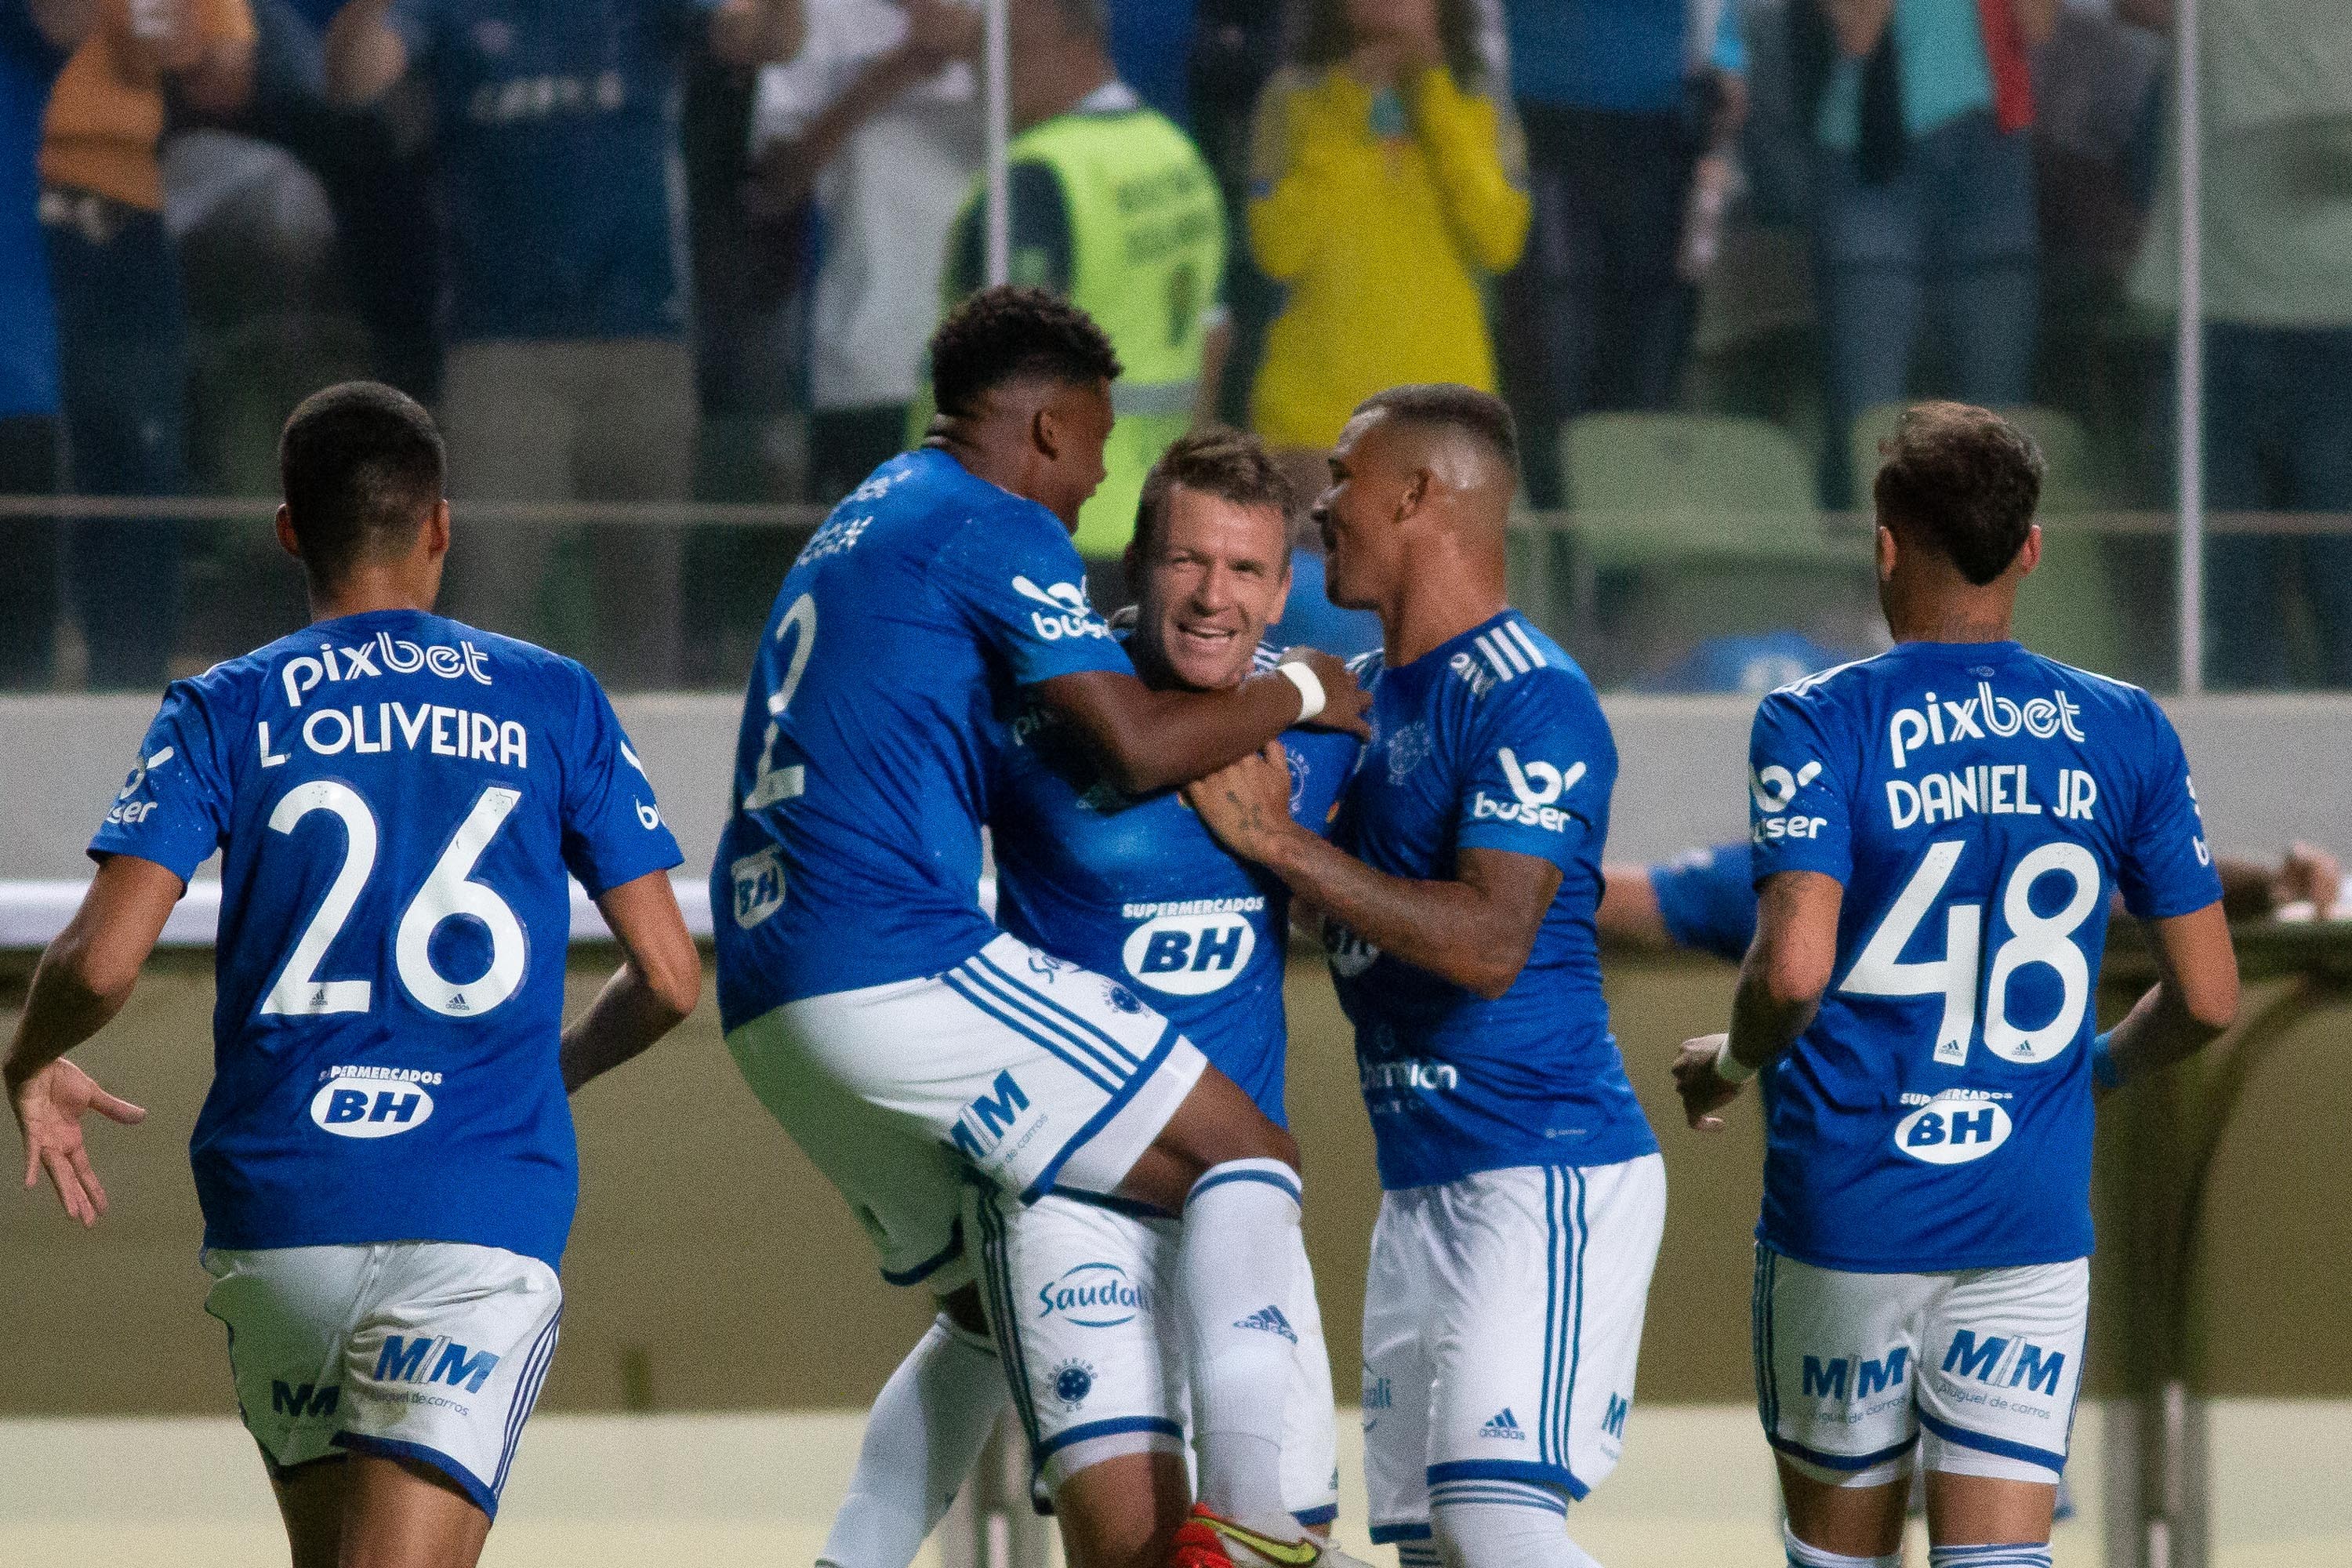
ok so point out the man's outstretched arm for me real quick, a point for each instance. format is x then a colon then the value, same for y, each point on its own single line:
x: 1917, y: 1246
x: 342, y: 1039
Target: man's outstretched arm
x: 83, y: 979
x: 1150, y: 740
x: 1475, y: 930
x: 656, y: 987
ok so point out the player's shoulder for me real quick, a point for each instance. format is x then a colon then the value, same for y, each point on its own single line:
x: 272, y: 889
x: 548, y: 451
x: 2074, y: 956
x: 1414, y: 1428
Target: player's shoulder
x: 499, y: 657
x: 1508, y: 670
x: 1839, y: 682
x: 1837, y: 698
x: 2092, y: 688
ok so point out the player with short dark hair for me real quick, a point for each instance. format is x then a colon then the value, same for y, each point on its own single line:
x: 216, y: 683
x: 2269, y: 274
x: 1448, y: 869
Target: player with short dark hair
x: 1937, y: 835
x: 903, y: 1040
x: 1524, y: 1197
x: 385, y: 1159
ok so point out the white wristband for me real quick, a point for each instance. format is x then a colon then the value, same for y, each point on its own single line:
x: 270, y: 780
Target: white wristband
x: 1310, y: 690
x: 1729, y: 1067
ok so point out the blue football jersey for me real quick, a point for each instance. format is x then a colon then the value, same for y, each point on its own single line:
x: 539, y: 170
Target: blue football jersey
x: 852, y: 856
x: 1707, y: 899
x: 1980, y: 805
x: 397, y: 798
x: 1492, y: 741
x: 1136, y: 888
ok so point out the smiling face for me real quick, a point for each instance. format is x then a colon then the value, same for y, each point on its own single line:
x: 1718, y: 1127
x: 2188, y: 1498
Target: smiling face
x: 1358, y: 514
x: 1216, y: 579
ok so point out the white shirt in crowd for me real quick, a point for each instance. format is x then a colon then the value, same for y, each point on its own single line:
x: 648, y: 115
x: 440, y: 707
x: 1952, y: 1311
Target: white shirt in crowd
x: 885, y: 202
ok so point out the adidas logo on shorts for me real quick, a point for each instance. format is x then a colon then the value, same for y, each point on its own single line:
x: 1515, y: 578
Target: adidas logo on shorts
x: 1505, y: 1425
x: 1271, y: 1320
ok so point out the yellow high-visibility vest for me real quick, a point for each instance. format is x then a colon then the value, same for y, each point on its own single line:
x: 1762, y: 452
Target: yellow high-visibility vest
x: 1148, y: 242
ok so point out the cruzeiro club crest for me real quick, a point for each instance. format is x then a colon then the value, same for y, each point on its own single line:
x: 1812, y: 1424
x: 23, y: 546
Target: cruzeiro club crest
x: 1073, y: 1381
x: 1407, y: 749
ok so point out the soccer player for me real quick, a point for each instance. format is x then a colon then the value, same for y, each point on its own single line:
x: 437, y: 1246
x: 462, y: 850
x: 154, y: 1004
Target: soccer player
x: 1937, y: 834
x: 1136, y: 888
x: 1525, y: 1195
x: 385, y: 1159
x: 900, y: 1037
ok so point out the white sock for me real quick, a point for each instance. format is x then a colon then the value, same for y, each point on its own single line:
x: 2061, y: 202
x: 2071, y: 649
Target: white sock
x: 2027, y: 1554
x: 1503, y: 1525
x: 926, y: 1433
x: 1236, y: 1262
x: 1804, y: 1556
x: 1418, y: 1554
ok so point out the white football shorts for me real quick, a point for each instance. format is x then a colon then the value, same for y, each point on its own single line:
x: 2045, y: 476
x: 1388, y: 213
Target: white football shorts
x: 1081, y: 1298
x: 427, y: 1351
x: 1015, y: 1063
x: 1502, y: 1322
x: 1981, y: 1368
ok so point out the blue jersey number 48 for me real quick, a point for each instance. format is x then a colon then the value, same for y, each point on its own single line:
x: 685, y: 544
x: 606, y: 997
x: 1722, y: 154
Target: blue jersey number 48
x: 1881, y: 970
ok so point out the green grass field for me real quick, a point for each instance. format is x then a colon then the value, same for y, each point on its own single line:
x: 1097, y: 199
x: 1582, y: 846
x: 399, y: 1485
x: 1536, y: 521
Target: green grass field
x: 590, y: 1492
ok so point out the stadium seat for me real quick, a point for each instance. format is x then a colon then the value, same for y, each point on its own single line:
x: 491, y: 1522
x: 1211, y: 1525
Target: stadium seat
x: 1684, y: 527
x: 1650, y: 489
x: 2068, y: 609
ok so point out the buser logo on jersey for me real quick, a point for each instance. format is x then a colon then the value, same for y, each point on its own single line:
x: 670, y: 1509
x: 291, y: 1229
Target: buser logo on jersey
x: 1071, y: 615
x: 1937, y: 722
x: 394, y: 655
x: 1535, y: 784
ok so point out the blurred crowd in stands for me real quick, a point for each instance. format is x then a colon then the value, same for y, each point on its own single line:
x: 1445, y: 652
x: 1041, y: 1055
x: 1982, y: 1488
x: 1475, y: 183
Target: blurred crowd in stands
x: 661, y: 251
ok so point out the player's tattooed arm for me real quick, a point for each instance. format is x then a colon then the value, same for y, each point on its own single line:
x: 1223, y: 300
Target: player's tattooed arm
x: 652, y: 991
x: 1150, y: 740
x: 1780, y: 984
x: 82, y: 981
x: 1475, y: 930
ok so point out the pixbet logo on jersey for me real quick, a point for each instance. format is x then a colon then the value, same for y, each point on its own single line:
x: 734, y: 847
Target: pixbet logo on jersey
x: 1071, y: 616
x: 1937, y: 722
x: 1535, y: 784
x: 1191, y: 951
x: 398, y: 655
x: 371, y: 1101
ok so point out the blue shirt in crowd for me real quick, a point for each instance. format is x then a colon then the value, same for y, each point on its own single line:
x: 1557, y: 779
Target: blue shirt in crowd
x: 897, y: 644
x: 558, y: 151
x: 1941, y: 61
x: 1136, y: 888
x: 397, y: 798
x: 1491, y: 741
x: 1630, y: 55
x: 1978, y: 805
x: 1151, y: 45
x: 29, y: 64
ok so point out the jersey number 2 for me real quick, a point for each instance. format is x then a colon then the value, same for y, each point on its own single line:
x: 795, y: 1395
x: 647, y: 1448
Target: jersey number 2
x: 770, y: 783
x: 1880, y: 971
x: 448, y: 893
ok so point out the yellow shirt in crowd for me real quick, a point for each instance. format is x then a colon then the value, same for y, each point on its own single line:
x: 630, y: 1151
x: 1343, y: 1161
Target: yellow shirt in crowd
x: 106, y: 113
x: 1382, y: 239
